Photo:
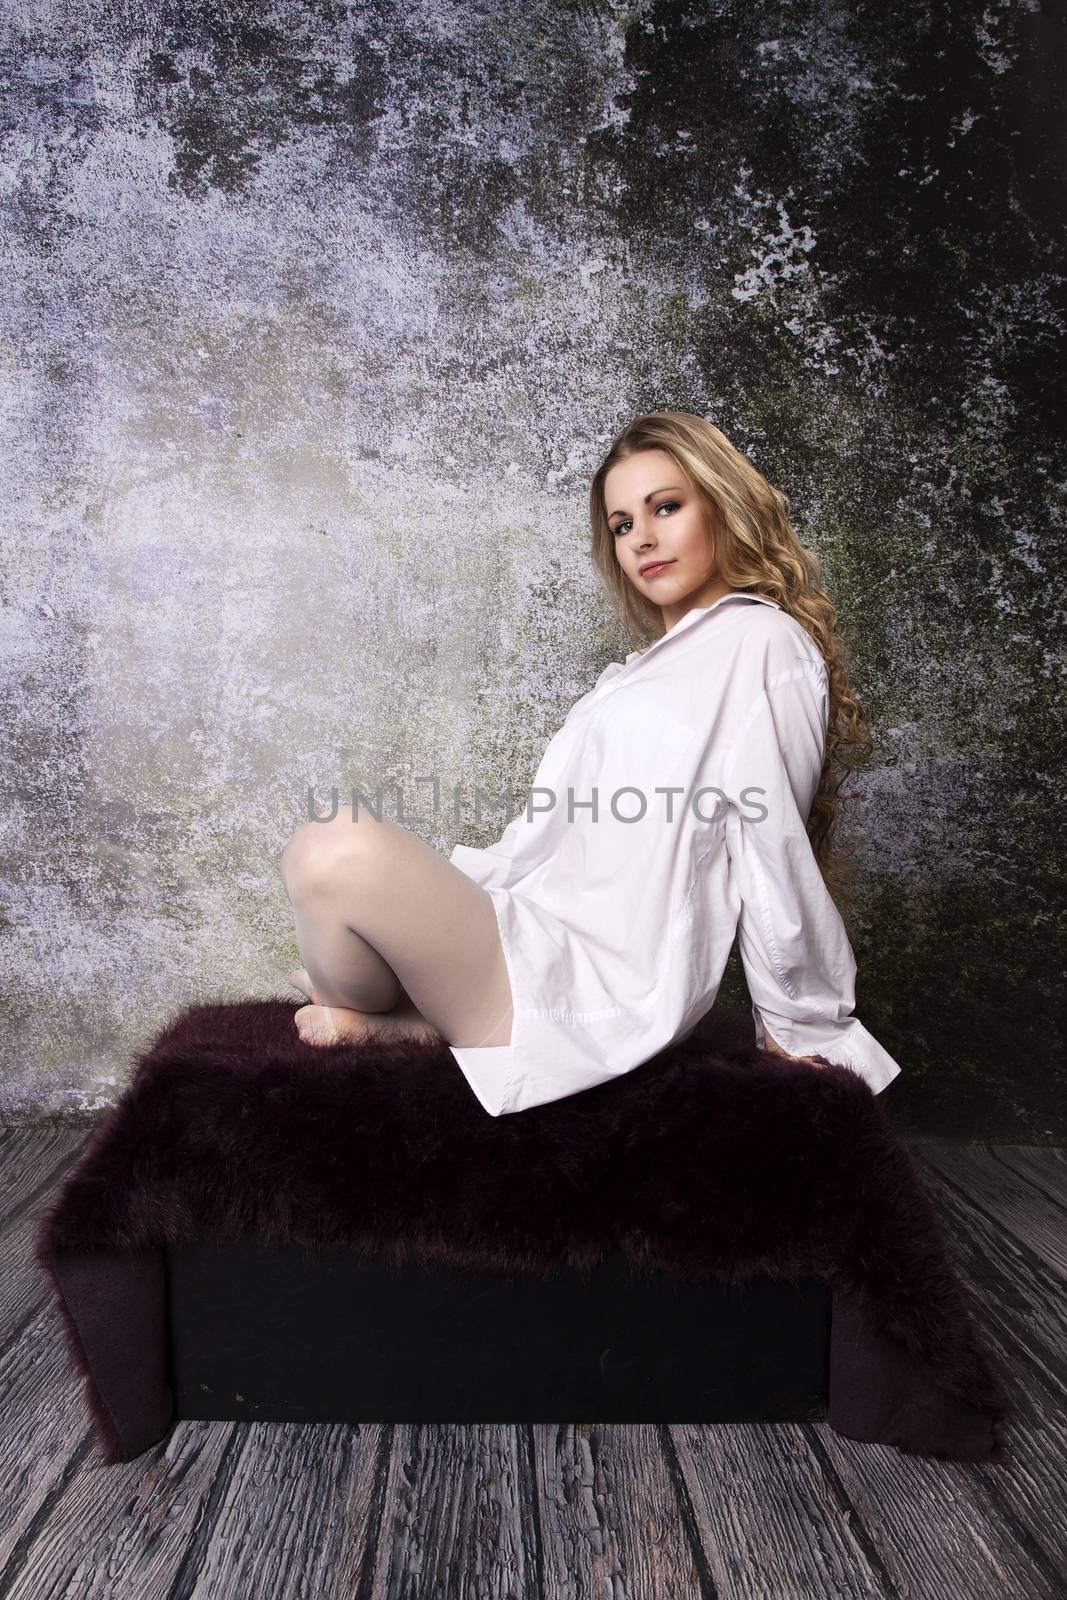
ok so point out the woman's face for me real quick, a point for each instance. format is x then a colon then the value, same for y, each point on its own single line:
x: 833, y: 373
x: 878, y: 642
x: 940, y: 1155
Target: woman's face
x: 655, y: 516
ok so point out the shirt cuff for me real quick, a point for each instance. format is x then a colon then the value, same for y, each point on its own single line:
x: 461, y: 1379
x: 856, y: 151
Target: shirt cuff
x: 845, y: 1043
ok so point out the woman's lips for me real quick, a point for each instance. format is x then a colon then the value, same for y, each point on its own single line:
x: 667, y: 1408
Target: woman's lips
x: 660, y: 566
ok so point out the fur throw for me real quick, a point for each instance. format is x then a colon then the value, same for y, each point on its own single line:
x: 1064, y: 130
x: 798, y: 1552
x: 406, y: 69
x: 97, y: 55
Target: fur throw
x: 713, y: 1158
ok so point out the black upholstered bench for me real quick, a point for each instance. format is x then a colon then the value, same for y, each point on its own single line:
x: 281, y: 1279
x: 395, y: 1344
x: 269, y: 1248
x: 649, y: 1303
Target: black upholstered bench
x: 263, y: 1229
x: 280, y: 1334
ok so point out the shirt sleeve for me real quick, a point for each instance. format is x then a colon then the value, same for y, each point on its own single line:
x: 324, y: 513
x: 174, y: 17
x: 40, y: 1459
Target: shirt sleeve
x: 796, y: 955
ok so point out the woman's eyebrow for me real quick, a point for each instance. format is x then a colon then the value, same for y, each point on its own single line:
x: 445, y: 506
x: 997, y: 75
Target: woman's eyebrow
x: 672, y: 488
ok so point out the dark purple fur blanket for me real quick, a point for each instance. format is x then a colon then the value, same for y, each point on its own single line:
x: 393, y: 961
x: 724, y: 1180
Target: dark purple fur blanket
x: 713, y: 1159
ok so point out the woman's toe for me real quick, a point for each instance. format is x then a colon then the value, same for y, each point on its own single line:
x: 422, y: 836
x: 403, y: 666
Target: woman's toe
x: 315, y: 1025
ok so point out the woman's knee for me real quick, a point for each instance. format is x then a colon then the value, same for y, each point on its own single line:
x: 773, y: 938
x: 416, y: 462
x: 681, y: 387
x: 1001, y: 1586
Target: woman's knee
x: 316, y: 851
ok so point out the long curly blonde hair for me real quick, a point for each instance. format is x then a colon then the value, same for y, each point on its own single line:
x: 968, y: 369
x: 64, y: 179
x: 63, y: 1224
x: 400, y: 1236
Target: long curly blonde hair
x: 755, y: 548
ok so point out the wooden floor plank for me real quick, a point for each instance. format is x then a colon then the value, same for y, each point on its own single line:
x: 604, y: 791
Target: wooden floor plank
x: 772, y: 1524
x: 38, y: 1169
x: 32, y: 1161
x: 24, y: 1289
x: 1042, y: 1166
x: 1029, y: 1488
x: 608, y: 1513
x: 295, y: 1517
x: 45, y: 1426
x: 133, y: 1528
x: 939, y: 1532
x: 1006, y: 1198
x: 1019, y: 1303
x: 458, y: 1519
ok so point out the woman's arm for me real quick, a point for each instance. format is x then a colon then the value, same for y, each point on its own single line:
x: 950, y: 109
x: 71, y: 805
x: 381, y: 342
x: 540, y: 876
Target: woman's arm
x: 799, y: 964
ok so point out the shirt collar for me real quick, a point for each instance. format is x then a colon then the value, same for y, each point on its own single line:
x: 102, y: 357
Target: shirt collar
x: 700, y: 611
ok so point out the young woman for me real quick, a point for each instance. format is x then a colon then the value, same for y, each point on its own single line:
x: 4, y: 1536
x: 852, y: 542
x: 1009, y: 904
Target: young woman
x: 689, y: 796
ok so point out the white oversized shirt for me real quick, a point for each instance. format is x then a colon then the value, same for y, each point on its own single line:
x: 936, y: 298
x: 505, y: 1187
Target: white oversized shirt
x: 618, y: 901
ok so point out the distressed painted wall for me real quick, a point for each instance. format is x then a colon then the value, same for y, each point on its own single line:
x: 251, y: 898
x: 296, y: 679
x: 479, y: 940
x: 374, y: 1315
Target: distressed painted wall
x: 317, y: 319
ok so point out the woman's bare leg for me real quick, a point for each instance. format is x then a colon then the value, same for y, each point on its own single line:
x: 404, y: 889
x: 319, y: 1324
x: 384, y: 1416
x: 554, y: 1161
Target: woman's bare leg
x: 393, y: 935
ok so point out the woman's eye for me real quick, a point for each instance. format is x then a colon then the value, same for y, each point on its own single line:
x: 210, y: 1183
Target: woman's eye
x: 664, y: 505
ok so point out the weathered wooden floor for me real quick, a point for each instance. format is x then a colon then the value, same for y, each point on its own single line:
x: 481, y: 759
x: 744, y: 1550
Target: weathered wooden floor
x: 278, y: 1510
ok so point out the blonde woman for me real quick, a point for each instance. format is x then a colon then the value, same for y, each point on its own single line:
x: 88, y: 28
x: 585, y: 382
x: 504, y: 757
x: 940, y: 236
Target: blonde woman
x: 689, y: 796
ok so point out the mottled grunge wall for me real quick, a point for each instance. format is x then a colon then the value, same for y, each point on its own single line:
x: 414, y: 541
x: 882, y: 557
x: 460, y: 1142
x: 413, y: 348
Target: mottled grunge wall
x: 316, y: 319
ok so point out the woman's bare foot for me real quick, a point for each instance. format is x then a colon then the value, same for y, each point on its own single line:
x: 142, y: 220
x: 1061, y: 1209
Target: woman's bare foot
x: 329, y: 1024
x: 323, y: 1025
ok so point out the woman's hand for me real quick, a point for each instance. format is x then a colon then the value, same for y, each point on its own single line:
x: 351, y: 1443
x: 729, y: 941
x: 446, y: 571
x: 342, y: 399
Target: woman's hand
x: 776, y: 1050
